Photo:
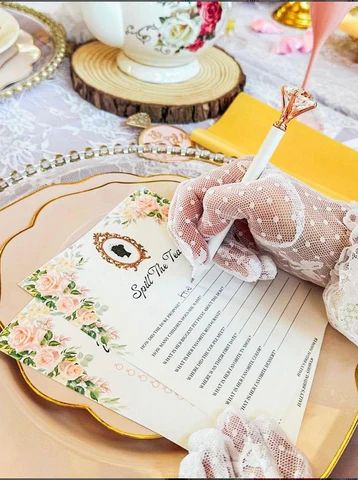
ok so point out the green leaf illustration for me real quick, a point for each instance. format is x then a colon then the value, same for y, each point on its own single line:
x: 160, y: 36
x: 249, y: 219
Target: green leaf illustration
x: 48, y: 336
x: 29, y: 361
x: 94, y: 395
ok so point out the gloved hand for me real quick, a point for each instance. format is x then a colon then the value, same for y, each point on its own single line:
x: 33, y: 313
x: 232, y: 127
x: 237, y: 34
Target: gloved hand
x: 279, y: 222
x: 240, y: 448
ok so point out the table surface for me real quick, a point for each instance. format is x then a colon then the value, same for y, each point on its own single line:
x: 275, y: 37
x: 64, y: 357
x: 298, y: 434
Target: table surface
x: 52, y: 118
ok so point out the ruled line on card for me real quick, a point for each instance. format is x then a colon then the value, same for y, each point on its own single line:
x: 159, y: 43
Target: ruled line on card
x: 268, y: 311
x: 294, y: 318
x: 282, y: 313
x: 233, y: 295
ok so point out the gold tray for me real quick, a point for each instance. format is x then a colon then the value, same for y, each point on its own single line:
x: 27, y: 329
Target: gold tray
x: 37, y: 227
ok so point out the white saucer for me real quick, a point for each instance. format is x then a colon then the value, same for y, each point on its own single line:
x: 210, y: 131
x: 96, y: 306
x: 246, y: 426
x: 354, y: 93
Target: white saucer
x: 9, y: 30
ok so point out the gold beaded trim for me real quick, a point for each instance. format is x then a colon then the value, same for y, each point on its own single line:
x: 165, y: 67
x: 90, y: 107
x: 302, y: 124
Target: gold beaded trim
x: 89, y: 153
x: 59, y: 38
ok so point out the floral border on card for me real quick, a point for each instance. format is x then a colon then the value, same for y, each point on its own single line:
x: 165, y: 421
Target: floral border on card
x: 31, y: 340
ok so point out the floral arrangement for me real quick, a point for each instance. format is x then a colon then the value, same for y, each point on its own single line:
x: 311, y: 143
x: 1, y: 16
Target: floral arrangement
x: 56, y: 287
x: 140, y: 204
x: 189, y: 28
x: 32, y: 341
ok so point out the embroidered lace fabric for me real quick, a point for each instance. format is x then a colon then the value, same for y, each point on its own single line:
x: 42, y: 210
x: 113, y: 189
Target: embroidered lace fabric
x: 279, y: 222
x: 51, y: 118
x: 240, y: 448
x: 341, y: 294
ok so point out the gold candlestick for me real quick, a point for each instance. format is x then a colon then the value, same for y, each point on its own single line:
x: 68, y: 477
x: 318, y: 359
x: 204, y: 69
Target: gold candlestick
x: 294, y: 14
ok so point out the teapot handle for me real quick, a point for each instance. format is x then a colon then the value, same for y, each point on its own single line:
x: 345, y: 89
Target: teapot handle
x: 105, y: 21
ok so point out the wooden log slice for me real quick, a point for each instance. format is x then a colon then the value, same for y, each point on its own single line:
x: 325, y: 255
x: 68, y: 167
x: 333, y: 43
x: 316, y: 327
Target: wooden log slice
x: 97, y: 78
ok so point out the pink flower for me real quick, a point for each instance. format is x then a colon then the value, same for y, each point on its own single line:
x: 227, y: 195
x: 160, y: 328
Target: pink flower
x: 146, y: 204
x: 47, y: 357
x: 51, y: 283
x: 70, y: 370
x: 44, y: 323
x: 68, y: 303
x: 103, y: 387
x: 24, y: 338
x: 63, y: 340
x: 86, y: 317
x: 165, y: 210
x: 210, y: 13
x: 112, y: 333
x: 199, y: 42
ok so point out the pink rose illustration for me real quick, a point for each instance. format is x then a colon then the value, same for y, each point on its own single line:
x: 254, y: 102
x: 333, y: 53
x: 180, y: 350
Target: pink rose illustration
x: 103, y: 387
x: 199, y: 42
x: 43, y: 323
x: 24, y: 338
x: 165, y: 210
x: 47, y: 357
x: 146, y: 204
x: 211, y: 14
x: 112, y: 333
x: 63, y: 340
x: 67, y: 303
x: 70, y: 370
x: 86, y: 317
x: 51, y: 283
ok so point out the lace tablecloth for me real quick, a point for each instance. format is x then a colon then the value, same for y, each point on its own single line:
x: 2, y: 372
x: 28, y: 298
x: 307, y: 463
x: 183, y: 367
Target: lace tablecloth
x: 52, y: 118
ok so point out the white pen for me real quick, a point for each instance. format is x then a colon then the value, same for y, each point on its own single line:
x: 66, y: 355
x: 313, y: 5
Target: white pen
x: 295, y: 101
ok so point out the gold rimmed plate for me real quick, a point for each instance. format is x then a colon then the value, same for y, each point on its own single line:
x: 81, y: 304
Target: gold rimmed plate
x: 46, y: 53
x: 102, y: 193
x: 9, y: 30
x: 42, y: 224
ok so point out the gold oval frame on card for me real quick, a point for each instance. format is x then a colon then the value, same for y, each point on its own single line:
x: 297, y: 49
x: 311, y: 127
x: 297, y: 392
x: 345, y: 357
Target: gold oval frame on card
x: 87, y: 408
x: 99, y: 239
x: 147, y: 179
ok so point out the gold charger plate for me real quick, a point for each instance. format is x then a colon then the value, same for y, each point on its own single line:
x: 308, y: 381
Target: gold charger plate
x: 48, y: 35
x: 31, y: 235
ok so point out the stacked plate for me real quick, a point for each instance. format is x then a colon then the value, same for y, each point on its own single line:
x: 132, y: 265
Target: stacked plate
x: 17, y: 51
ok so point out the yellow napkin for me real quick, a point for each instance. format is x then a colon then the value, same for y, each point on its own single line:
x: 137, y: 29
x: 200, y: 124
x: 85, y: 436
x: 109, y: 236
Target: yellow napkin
x: 326, y: 165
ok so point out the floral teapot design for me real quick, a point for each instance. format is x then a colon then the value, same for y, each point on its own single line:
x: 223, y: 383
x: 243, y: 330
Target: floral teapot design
x: 159, y: 41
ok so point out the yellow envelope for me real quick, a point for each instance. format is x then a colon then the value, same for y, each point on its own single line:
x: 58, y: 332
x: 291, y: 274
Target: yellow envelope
x: 326, y: 165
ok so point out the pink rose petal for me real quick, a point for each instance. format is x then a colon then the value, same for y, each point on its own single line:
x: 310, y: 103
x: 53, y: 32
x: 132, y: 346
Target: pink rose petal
x: 295, y: 43
x: 291, y: 44
x: 307, y: 42
x: 261, y: 25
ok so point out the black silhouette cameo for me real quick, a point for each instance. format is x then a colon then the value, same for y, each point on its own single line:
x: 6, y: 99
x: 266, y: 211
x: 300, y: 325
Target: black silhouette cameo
x: 120, y: 251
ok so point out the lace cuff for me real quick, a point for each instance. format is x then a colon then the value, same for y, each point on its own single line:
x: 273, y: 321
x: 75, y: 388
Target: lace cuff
x: 341, y: 293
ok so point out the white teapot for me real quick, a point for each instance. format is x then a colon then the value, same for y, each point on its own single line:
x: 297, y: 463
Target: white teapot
x: 159, y: 41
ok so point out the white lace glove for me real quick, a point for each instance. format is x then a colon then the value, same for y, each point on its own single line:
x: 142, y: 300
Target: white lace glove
x: 279, y: 221
x: 240, y: 448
